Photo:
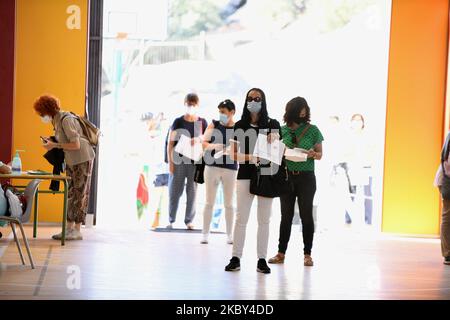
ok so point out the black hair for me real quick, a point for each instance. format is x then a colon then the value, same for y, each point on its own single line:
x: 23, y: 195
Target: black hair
x: 227, y: 104
x: 293, y: 109
x: 263, y: 114
x: 191, y: 98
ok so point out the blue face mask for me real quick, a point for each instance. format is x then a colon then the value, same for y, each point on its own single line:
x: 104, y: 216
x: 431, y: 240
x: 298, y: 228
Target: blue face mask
x: 254, y: 107
x: 223, y: 118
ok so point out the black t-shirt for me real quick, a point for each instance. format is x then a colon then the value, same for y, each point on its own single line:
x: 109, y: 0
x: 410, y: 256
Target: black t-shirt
x: 191, y: 130
x: 246, y: 135
x: 226, y: 133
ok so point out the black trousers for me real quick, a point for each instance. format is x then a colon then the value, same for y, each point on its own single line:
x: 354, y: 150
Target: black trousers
x: 303, y: 190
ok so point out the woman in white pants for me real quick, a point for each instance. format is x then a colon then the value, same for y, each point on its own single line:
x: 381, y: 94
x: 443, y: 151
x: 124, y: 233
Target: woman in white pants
x: 255, y: 120
x: 220, y: 168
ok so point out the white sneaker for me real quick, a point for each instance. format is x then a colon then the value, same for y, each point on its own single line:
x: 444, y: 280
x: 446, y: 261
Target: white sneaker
x: 59, y: 235
x: 204, y: 239
x: 230, y: 239
x: 170, y: 226
x: 74, y: 234
x: 190, y: 226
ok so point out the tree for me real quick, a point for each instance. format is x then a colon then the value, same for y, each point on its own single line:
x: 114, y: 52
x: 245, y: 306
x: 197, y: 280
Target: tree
x: 187, y: 18
x: 338, y: 13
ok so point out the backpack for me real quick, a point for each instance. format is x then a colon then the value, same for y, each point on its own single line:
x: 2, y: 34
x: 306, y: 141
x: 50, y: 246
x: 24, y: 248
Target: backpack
x: 90, y: 131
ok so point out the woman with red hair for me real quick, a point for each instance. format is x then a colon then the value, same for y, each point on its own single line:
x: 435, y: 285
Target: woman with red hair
x: 79, y: 157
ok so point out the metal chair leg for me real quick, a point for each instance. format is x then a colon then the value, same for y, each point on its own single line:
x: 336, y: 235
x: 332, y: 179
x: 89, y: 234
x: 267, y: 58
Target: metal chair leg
x: 27, y: 246
x: 17, y: 242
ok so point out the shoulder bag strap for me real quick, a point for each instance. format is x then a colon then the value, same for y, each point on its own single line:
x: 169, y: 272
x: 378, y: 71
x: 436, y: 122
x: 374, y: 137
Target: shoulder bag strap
x: 77, y: 117
x: 303, y: 133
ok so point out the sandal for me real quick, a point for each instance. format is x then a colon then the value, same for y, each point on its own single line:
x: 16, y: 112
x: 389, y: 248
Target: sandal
x: 308, y: 261
x: 279, y: 258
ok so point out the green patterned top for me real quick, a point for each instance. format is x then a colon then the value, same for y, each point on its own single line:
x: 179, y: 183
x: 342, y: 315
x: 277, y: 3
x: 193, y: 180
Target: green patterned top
x: 312, y: 137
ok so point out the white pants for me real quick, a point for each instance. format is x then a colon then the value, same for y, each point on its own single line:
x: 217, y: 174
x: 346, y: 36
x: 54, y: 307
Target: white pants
x: 213, y: 177
x: 244, y: 205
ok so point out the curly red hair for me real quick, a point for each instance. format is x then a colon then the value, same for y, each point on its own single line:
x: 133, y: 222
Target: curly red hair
x: 46, y: 106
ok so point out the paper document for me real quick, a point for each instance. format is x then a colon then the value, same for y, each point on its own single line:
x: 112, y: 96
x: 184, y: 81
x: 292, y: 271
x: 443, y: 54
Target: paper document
x: 218, y: 154
x: 296, y: 154
x: 221, y: 153
x: 270, y: 151
x: 184, y: 147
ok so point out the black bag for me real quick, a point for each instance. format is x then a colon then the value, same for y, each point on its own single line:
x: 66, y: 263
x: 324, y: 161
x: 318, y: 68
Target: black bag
x: 445, y: 187
x: 199, y: 175
x: 56, y: 158
x: 166, y: 156
x: 275, y: 184
x: 270, y: 180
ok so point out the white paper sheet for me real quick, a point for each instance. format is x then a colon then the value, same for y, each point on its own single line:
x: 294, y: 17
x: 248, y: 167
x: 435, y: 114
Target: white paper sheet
x: 270, y: 151
x: 296, y: 154
x: 184, y: 147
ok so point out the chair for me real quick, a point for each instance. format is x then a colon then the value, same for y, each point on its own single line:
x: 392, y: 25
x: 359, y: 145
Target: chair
x: 30, y: 193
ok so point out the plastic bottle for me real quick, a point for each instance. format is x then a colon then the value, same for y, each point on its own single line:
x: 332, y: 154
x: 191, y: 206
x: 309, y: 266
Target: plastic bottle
x: 17, y: 163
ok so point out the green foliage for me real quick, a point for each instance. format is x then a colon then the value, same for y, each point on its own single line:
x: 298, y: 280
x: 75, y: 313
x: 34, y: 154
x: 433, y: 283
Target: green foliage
x: 282, y: 12
x: 187, y: 18
x: 337, y: 13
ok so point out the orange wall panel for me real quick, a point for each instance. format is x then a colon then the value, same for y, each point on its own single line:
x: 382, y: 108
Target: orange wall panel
x: 415, y: 115
x: 51, y: 57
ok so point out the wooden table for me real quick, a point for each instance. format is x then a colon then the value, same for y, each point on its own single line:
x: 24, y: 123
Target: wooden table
x: 63, y: 179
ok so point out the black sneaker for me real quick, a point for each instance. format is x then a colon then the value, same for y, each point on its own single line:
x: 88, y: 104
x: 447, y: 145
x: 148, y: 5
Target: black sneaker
x: 447, y: 260
x: 234, y: 265
x: 262, y: 266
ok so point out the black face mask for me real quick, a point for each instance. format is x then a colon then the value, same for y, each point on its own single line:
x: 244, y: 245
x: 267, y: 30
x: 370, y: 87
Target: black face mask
x: 300, y: 120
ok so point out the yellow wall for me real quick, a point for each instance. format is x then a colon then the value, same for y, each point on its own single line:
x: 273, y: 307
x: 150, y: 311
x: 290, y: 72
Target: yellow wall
x: 415, y: 115
x: 50, y: 58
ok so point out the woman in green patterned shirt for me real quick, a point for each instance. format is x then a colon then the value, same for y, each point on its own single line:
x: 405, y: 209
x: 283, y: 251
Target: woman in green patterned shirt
x: 299, y: 133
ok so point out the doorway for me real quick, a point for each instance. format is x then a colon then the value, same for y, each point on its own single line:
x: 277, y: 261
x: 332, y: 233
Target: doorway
x: 333, y: 53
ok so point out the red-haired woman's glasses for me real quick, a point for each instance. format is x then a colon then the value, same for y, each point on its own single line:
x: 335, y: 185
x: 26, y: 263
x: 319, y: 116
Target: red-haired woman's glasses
x: 256, y: 99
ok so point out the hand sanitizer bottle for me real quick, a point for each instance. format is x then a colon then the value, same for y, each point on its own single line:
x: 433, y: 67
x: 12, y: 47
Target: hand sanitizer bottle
x: 17, y: 163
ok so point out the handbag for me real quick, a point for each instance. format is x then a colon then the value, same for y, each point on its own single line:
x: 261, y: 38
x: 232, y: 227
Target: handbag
x: 270, y: 181
x: 445, y: 187
x: 275, y: 184
x: 199, y: 175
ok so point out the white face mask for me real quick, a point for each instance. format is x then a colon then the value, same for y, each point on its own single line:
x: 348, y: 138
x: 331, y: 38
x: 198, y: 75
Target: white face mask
x: 357, y: 125
x: 191, y: 110
x: 254, y: 107
x: 46, y: 119
x: 223, y: 118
